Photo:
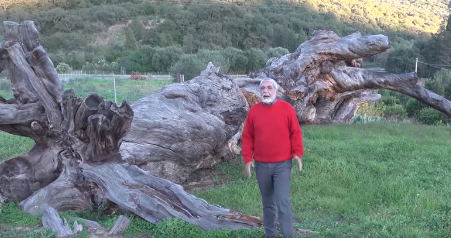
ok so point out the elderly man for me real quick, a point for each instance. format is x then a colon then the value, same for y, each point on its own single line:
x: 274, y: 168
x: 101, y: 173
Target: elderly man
x: 272, y: 137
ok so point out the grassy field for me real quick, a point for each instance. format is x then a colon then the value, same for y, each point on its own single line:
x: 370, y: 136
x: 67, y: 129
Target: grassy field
x: 363, y: 180
x: 360, y: 180
x: 128, y: 90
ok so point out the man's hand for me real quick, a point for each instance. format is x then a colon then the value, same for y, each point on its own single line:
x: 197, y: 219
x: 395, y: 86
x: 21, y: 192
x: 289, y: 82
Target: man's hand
x: 299, y: 160
x: 247, y: 168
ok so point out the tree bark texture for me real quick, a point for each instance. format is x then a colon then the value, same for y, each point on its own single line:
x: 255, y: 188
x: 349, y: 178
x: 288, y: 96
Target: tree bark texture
x: 76, y: 162
x: 186, y: 127
x: 323, y: 80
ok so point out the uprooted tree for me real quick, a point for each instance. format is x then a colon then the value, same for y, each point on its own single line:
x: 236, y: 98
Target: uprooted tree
x: 89, y: 151
x: 323, y: 80
x: 75, y: 163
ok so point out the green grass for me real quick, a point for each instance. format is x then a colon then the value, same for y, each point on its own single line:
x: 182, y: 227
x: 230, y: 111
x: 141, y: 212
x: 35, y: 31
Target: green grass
x: 126, y: 90
x: 361, y: 180
x: 16, y: 223
x: 12, y: 145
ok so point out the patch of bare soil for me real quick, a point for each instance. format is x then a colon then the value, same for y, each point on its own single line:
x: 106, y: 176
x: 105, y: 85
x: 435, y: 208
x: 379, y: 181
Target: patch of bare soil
x: 113, y: 31
x: 103, y: 38
x: 201, y: 180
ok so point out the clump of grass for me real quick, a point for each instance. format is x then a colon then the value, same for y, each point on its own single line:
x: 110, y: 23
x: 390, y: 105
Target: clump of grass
x: 12, y: 145
x: 12, y: 215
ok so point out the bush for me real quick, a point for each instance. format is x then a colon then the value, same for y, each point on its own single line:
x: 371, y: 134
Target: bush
x: 414, y: 107
x: 430, y: 116
x: 189, y: 65
x: 277, y: 52
x: 395, y: 110
x: 365, y: 119
x: 401, y: 60
x: 102, y: 66
x: 372, y: 109
x: 215, y: 57
x: 63, y: 68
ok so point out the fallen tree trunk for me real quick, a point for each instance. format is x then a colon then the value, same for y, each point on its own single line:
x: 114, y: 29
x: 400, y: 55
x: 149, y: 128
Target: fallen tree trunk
x: 76, y: 163
x: 324, y: 83
x: 186, y: 127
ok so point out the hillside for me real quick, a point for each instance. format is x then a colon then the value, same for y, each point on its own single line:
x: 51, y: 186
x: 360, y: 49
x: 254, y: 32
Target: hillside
x: 81, y: 31
x: 415, y: 16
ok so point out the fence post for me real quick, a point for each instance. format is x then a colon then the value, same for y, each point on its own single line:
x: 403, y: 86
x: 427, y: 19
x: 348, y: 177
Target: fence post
x: 114, y: 83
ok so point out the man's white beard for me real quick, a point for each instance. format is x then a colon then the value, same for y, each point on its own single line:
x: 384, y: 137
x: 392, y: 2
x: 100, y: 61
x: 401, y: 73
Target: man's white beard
x: 269, y: 101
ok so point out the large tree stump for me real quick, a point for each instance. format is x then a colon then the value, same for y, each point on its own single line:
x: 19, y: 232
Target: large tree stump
x: 186, y: 127
x: 76, y: 163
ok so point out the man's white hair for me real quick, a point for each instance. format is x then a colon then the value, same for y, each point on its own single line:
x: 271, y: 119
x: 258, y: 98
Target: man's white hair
x: 274, y: 83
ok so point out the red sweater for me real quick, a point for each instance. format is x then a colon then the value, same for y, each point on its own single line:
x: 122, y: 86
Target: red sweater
x: 271, y: 133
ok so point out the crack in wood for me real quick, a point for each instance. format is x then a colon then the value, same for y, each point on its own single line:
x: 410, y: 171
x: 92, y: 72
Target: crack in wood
x: 164, y: 197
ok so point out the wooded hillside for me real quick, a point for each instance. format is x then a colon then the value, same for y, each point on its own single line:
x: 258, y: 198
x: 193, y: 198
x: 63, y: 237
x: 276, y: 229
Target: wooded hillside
x: 80, y: 31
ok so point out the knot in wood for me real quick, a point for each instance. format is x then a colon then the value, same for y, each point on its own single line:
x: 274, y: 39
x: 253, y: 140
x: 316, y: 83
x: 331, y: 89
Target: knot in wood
x: 326, y: 67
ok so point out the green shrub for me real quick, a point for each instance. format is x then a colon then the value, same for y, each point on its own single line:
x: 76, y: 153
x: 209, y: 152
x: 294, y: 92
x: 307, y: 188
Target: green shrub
x: 63, y: 68
x: 395, y: 110
x: 430, y: 116
x: 277, y: 52
x: 188, y: 65
x: 365, y: 119
x: 413, y: 107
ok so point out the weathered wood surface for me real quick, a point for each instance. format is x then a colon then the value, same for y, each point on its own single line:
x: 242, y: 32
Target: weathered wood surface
x: 155, y: 199
x: 315, y: 80
x: 76, y: 163
x: 52, y: 220
x: 185, y: 127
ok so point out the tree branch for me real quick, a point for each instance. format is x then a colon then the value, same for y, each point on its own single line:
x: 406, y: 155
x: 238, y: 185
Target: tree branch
x: 52, y: 220
x: 65, y: 193
x: 155, y: 199
x: 39, y: 61
x: 25, y: 174
x: 21, y: 114
x: 28, y: 76
x: 354, y: 78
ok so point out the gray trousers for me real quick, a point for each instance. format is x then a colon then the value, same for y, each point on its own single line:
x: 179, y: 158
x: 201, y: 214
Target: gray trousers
x: 274, y: 181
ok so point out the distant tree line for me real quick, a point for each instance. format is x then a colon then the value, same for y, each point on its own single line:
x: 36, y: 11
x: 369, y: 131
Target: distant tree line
x: 161, y: 36
x: 240, y: 36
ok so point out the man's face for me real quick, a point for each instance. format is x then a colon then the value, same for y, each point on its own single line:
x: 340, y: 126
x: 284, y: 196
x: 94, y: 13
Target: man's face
x: 267, y: 92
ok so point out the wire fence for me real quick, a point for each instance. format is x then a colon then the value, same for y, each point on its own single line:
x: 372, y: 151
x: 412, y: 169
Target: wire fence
x: 89, y: 75
x: 113, y: 87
